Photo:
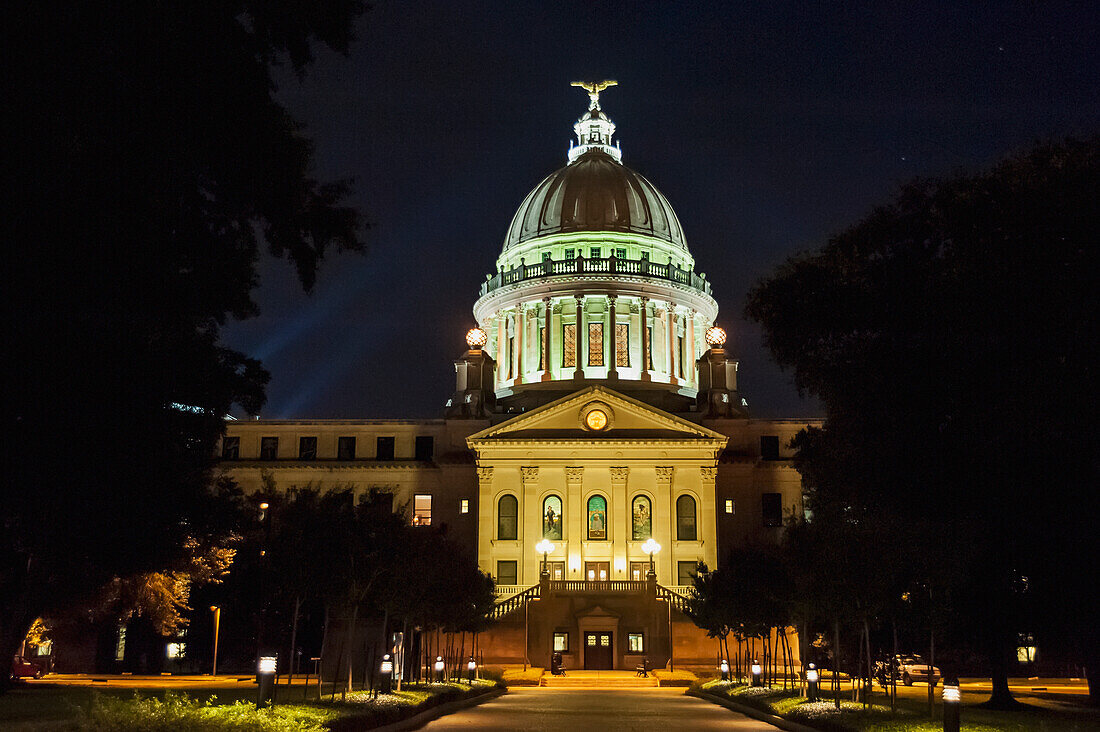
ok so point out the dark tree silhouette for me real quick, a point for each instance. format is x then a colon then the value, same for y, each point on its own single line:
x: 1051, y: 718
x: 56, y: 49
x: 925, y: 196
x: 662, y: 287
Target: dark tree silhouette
x: 949, y: 336
x: 150, y: 162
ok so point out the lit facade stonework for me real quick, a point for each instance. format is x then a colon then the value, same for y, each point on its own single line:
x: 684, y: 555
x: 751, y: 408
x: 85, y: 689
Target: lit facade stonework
x: 595, y: 407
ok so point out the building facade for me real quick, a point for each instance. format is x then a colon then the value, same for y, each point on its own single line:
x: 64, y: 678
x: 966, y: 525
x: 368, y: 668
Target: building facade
x: 596, y: 447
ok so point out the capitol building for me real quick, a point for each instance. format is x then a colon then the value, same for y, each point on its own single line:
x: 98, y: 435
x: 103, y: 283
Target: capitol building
x: 596, y: 446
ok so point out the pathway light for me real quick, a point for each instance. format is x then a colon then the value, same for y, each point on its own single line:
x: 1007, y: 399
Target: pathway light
x: 757, y: 673
x: 439, y: 666
x: 811, y: 683
x: 724, y: 667
x: 952, y: 706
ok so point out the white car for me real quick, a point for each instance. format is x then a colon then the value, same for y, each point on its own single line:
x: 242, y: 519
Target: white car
x: 915, y: 668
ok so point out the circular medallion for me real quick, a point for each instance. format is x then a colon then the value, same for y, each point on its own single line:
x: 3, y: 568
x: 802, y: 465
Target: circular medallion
x: 596, y: 419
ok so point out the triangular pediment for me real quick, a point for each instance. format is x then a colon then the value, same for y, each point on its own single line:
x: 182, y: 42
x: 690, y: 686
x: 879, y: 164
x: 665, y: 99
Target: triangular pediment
x: 596, y: 612
x: 623, y: 418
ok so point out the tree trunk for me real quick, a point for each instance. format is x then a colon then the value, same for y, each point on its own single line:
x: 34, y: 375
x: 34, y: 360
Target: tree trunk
x: 293, y: 638
x: 836, y: 661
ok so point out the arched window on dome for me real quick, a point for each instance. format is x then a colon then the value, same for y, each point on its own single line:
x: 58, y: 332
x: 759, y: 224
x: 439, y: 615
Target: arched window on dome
x: 551, y: 518
x: 685, y: 518
x: 641, y: 512
x: 597, y: 518
x: 508, y: 517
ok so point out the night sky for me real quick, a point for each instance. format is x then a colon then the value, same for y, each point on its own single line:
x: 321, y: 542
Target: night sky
x: 768, y: 126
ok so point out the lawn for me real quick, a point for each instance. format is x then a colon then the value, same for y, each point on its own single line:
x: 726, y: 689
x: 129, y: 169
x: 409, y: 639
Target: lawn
x: 75, y: 708
x: 911, y: 714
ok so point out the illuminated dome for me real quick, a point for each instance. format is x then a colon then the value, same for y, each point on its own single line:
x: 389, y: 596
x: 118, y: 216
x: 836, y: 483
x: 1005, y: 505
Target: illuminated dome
x: 595, y: 193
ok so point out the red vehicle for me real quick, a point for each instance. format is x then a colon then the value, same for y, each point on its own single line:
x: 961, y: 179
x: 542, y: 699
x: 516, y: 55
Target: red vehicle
x: 21, y: 668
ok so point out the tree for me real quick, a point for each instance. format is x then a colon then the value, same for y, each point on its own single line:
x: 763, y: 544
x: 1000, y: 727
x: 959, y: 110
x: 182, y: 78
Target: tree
x: 949, y: 337
x: 151, y: 159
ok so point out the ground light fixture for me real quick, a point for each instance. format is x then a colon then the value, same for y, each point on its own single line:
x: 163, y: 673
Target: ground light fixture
x: 471, y: 670
x: 724, y: 668
x: 439, y: 666
x: 544, y: 548
x: 811, y: 683
x: 387, y: 673
x: 952, y: 705
x: 651, y: 547
x: 757, y: 673
x: 265, y: 678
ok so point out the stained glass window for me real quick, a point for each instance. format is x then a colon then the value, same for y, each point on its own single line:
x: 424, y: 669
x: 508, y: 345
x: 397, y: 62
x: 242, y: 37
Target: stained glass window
x: 597, y: 518
x: 622, y: 344
x: 569, y: 346
x: 551, y: 518
x: 595, y: 344
x: 641, y: 519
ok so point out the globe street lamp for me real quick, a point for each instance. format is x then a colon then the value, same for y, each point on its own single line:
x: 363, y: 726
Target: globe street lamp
x: 651, y: 547
x: 544, y: 548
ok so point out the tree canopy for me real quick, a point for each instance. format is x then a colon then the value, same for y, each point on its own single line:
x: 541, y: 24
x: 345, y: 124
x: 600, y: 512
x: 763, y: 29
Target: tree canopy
x: 949, y: 337
x: 152, y: 161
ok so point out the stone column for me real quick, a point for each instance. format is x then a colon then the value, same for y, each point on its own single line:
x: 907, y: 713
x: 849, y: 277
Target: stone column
x: 485, y: 518
x: 645, y: 339
x: 690, y: 365
x: 548, y: 371
x: 529, y: 531
x: 573, y: 525
x: 671, y: 321
x: 612, y: 366
x: 706, y: 519
x: 665, y: 560
x: 582, y: 334
x: 620, y: 529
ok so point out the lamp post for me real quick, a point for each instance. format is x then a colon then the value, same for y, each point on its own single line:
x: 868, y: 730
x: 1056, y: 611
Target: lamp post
x: 265, y: 677
x: 951, y: 705
x: 544, y: 548
x: 651, y: 547
x: 811, y: 683
x: 757, y: 673
x: 217, y: 622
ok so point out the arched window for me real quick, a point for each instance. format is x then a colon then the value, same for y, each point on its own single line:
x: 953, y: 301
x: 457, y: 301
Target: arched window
x: 551, y: 518
x: 641, y: 513
x: 685, y: 518
x: 508, y: 517
x: 597, y: 518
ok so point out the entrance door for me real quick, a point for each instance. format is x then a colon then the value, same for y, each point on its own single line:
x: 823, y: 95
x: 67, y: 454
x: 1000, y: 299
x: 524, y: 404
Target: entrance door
x: 598, y: 650
x: 597, y: 571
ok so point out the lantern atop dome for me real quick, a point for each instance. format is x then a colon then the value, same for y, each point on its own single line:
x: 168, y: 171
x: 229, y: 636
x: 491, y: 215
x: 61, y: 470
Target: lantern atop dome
x: 594, y: 129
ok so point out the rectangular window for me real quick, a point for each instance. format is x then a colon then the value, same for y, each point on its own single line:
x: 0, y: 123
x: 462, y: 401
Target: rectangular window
x: 635, y: 643
x: 597, y: 571
x: 425, y: 448
x: 384, y: 448
x: 649, y: 352
x: 771, y: 505
x: 546, y: 256
x: 307, y: 448
x: 345, y: 448
x: 769, y: 447
x: 622, y: 344
x: 620, y: 254
x: 556, y: 570
x: 595, y: 344
x: 680, y: 347
x: 422, y: 510
x: 507, y: 572
x: 231, y: 448
x: 570, y: 254
x: 729, y: 505
x: 269, y: 448
x: 569, y: 346
x: 511, y: 351
x: 639, y: 570
x: 685, y: 573
x: 594, y: 252
x: 561, y: 642
x: 464, y: 505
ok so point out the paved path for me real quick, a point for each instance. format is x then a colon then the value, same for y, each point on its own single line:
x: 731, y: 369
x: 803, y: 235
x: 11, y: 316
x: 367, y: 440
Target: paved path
x: 609, y: 710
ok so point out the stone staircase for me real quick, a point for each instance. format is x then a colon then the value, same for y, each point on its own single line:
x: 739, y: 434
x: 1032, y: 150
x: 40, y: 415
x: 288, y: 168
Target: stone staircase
x: 599, y: 680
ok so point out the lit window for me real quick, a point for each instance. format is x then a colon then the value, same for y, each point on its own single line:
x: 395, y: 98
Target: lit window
x: 638, y: 570
x: 597, y: 518
x: 595, y: 344
x: 422, y: 510
x: 570, y: 254
x: 464, y: 505
x: 176, y: 650
x: 551, y: 518
x: 120, y: 644
x: 546, y: 256
x: 620, y: 254
x: 561, y: 642
x: 622, y: 344
x: 231, y: 448
x: 594, y: 252
x: 269, y: 448
x: 729, y: 505
x: 641, y: 519
x: 635, y: 643
x: 569, y: 346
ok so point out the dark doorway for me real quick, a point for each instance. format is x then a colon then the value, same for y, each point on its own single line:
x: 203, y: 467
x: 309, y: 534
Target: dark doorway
x: 598, y: 650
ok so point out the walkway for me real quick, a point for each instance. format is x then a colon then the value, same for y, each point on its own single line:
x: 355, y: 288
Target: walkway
x: 575, y: 710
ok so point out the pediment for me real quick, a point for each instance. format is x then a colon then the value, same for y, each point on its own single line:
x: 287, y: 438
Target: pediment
x: 569, y: 419
x: 596, y: 612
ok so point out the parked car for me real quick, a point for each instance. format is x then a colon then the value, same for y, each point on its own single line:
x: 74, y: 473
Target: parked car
x: 22, y: 668
x: 906, y: 669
